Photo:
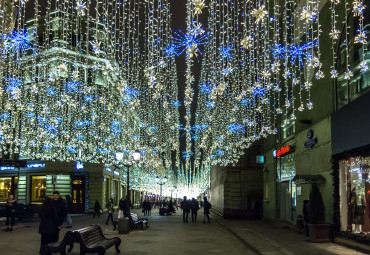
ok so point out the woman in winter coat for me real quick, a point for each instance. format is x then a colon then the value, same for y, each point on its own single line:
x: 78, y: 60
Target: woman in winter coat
x: 48, y: 225
x: 11, y: 204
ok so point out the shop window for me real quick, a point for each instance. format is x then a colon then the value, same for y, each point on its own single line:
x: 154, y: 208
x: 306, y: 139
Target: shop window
x: 5, y: 188
x: 38, y: 189
x: 287, y: 169
x: 355, y: 194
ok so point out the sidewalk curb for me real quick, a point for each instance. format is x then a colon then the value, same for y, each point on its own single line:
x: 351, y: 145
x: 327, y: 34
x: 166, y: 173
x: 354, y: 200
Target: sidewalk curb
x: 241, y: 239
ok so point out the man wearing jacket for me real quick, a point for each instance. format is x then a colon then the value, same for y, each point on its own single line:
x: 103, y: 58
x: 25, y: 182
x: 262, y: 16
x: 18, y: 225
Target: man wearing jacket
x: 61, y: 207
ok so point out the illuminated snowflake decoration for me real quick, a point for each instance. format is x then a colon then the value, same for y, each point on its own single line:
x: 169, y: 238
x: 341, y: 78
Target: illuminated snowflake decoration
x: 309, y: 105
x: 247, y: 42
x: 334, y: 73
x: 334, y: 34
x: 358, y: 8
x: 259, y: 13
x: 13, y: 85
x: 96, y: 46
x: 363, y: 66
x: 75, y: 75
x: 308, y: 15
x: 226, y: 52
x: 361, y: 38
x: 62, y: 68
x: 348, y: 74
x: 80, y: 7
x: 17, y: 42
x: 107, y: 68
x: 301, y: 108
x: 189, y: 42
x: 319, y: 75
x: 198, y: 6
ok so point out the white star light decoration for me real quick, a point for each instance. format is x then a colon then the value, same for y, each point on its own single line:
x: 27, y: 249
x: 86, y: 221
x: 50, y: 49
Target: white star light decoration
x: 247, y: 42
x: 198, y: 6
x: 81, y: 7
x: 259, y: 13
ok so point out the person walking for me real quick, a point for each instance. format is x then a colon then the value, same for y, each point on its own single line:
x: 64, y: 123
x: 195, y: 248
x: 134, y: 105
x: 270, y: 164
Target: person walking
x: 11, y: 204
x: 121, y: 205
x: 97, y: 208
x: 170, y: 207
x: 61, y: 208
x: 110, y: 208
x: 48, y: 227
x: 185, y: 209
x: 126, y: 207
x: 144, y: 206
x: 69, y: 211
x: 207, y: 206
x: 306, y: 218
x: 194, y: 209
x: 150, y: 208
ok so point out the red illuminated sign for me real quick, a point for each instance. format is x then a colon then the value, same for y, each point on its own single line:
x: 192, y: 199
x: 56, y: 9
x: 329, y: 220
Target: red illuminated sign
x: 283, y: 150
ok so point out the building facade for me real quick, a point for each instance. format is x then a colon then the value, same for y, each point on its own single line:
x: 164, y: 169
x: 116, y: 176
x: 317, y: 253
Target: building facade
x: 328, y: 145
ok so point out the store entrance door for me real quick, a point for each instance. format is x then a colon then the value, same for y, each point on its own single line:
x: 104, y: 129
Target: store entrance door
x: 285, y: 202
x: 78, y: 193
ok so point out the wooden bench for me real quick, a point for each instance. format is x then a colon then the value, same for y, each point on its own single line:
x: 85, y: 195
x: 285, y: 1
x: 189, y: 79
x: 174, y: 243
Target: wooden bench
x: 92, y: 240
x: 61, y: 246
x: 136, y: 222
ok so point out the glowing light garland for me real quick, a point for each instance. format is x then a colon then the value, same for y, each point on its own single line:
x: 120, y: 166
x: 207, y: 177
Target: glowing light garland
x: 82, y: 80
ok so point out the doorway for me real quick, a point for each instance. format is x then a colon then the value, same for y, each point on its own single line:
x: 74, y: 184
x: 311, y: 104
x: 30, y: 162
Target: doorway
x: 78, y: 193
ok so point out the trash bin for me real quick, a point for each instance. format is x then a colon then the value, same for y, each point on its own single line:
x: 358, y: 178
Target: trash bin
x: 123, y: 225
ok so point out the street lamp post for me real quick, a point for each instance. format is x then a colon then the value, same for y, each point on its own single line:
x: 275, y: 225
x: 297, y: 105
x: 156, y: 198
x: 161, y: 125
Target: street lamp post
x: 136, y: 157
x: 161, y: 181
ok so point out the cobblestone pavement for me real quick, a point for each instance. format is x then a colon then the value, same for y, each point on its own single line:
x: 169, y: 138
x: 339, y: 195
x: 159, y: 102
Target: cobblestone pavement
x: 169, y: 235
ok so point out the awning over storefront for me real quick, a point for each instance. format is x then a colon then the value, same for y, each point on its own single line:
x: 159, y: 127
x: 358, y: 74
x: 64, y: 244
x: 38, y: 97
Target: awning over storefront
x: 308, y: 179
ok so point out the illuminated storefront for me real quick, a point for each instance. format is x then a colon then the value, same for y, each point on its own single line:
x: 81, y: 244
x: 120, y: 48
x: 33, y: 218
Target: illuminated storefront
x: 354, y: 188
x: 287, y: 189
x: 38, y: 188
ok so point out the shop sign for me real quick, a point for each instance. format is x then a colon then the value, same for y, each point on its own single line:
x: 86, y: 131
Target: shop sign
x: 310, y: 140
x: 35, y: 165
x: 79, y: 165
x: 260, y: 159
x: 5, y: 168
x: 283, y: 151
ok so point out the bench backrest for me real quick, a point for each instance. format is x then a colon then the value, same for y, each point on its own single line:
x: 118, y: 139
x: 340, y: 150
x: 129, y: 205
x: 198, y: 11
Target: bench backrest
x: 134, y: 217
x: 90, y: 235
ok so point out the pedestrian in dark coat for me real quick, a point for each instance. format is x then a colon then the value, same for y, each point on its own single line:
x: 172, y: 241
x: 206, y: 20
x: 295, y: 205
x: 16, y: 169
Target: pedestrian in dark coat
x: 149, y: 208
x: 97, y: 208
x: 207, y: 206
x: 110, y: 208
x: 306, y: 218
x: 11, y: 204
x: 61, y: 208
x: 69, y: 211
x: 48, y: 225
x: 194, y: 210
x: 170, y: 207
x: 126, y: 207
x: 146, y: 207
x: 185, y: 206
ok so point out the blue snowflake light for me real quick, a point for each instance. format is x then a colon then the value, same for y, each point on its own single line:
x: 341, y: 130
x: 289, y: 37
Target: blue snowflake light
x: 183, y: 41
x: 17, y: 42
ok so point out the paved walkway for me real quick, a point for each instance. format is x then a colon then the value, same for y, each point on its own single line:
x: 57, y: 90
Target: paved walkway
x: 169, y: 235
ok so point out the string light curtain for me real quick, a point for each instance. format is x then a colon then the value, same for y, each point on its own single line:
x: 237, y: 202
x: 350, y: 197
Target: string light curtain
x: 255, y: 67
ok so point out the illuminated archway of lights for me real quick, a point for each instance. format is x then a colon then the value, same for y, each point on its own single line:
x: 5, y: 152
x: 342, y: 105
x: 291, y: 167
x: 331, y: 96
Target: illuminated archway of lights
x: 82, y: 80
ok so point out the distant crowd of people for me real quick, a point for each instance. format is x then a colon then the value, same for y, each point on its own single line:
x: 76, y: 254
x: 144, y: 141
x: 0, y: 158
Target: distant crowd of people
x: 193, y: 206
